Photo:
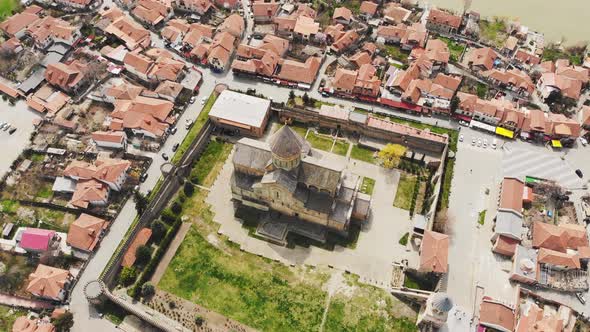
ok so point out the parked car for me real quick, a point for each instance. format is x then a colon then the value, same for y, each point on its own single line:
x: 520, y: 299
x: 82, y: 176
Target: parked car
x: 188, y: 124
x: 463, y: 123
x: 583, y: 141
x: 192, y: 100
x: 461, y: 138
x: 175, y: 147
x: 494, y: 144
x: 165, y: 156
x: 12, y: 130
x: 143, y: 177
x: 581, y: 298
x: 473, y: 141
x: 579, y: 173
x: 485, y: 143
x: 203, y: 101
x: 172, y: 130
x: 8, y: 125
x: 479, y: 142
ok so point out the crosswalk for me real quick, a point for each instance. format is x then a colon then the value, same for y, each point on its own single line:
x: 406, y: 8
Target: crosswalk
x: 520, y: 162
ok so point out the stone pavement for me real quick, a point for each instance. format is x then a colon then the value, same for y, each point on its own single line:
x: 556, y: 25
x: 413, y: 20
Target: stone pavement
x: 377, y: 246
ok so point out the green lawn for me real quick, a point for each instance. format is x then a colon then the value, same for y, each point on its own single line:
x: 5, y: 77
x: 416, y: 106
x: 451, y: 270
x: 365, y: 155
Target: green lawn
x: 319, y: 142
x: 215, y: 150
x: 456, y: 49
x: 45, y: 191
x: 369, y: 309
x: 341, y: 148
x: 194, y: 131
x: 494, y: 31
x: 7, y: 317
x: 265, y: 295
x: 404, y: 239
x: 7, y: 7
x: 364, y: 154
x: 405, y: 191
x: 481, y: 218
x: 396, y: 53
x: 367, y: 186
x: 299, y: 128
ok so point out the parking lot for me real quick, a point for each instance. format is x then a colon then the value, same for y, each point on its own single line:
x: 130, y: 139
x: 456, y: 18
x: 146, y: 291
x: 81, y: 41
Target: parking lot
x: 11, y: 145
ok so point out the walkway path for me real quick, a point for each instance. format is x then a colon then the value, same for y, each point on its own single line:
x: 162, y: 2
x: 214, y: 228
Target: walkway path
x: 14, y: 301
x: 163, y: 265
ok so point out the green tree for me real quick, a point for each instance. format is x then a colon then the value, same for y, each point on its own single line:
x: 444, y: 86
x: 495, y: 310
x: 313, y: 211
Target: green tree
x: 199, y: 320
x: 143, y: 254
x: 148, y: 290
x: 63, y: 322
x: 141, y: 201
x: 391, y: 154
x: 176, y: 208
x: 305, y: 99
x: 454, y: 103
x: 158, y: 230
x: 189, y: 189
x: 291, y: 95
x: 127, y: 276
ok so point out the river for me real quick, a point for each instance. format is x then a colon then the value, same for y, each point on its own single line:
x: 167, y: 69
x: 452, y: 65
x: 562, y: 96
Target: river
x: 555, y: 19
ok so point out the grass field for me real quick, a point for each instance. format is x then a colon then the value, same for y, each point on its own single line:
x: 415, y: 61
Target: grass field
x: 319, y: 142
x: 405, y: 191
x: 194, y: 131
x: 214, y: 151
x: 7, y: 7
x: 494, y: 31
x: 363, y: 154
x: 367, y: 186
x: 341, y: 148
x: 396, y: 53
x: 454, y: 48
x: 7, y: 317
x: 368, y: 309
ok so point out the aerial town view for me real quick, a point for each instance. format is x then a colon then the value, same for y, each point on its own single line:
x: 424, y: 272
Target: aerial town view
x: 291, y: 165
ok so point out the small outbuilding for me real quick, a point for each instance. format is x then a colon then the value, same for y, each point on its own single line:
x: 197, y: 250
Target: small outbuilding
x: 240, y: 112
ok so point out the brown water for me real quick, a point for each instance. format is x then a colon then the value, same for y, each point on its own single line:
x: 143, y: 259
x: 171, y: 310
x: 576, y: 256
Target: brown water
x: 569, y: 19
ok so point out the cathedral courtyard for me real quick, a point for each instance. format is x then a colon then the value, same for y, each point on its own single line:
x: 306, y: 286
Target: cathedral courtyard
x: 377, y: 246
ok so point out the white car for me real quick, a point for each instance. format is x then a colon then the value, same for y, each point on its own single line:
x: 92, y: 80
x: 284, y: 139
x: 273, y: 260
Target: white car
x: 479, y: 142
x: 485, y: 143
x: 494, y: 144
x: 461, y: 138
x: 203, y: 101
x: 583, y: 141
x: 473, y: 141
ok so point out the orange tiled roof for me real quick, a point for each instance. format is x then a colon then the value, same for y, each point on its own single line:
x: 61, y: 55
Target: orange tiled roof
x: 434, y: 252
x: 47, y: 281
x: 142, y: 238
x: 84, y: 232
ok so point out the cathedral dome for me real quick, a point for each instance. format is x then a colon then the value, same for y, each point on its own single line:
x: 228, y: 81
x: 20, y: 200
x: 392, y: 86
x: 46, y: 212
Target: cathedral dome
x: 286, y: 144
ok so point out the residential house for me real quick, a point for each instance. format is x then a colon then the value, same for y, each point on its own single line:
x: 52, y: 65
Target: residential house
x: 110, y: 139
x: 362, y: 82
x: 342, y: 15
x: 200, y: 7
x: 11, y: 46
x: 300, y: 72
x: 48, y: 30
x: 221, y: 51
x: 89, y: 193
x: 169, y: 90
x: 436, y: 51
x: 442, y: 21
x: 262, y: 60
x: 299, y: 24
x: 509, y: 46
x: 227, y: 4
x: 562, y: 79
x: 409, y: 37
x: 305, y: 28
x: 149, y: 117
x: 496, y: 315
x: 132, y: 34
x: 556, y: 260
x: 47, y: 100
x: 174, y: 31
x: 563, y: 128
x: 151, y: 12
x: 85, y: 233
x: 264, y: 11
x: 508, y: 221
x: 123, y: 90
x: 347, y: 40
x: 49, y: 283
x: 111, y: 172
x: 138, y: 65
x: 559, y: 238
x: 434, y: 95
x: 512, y: 79
x: 527, y: 59
x: 368, y: 9
x: 394, y: 13
x: 39, y: 241
x: 481, y: 59
x: 234, y: 25
x: 24, y: 324
x: 70, y: 78
x: 16, y: 25
x: 78, y: 4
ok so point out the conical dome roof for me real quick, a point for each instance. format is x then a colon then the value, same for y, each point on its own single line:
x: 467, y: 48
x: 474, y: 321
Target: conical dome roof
x: 286, y: 143
x: 442, y: 302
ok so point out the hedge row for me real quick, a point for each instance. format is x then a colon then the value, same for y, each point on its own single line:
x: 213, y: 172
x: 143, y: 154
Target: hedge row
x: 155, y: 260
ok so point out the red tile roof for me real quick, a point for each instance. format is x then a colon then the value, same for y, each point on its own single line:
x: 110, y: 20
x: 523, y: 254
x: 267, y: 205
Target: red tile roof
x: 141, y: 239
x: 84, y: 232
x: 434, y: 252
x: 48, y: 281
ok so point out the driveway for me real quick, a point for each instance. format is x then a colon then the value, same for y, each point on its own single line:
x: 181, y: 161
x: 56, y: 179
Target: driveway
x: 21, y: 117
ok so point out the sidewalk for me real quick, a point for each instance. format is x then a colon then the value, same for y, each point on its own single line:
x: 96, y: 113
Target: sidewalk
x: 163, y: 265
x: 14, y: 301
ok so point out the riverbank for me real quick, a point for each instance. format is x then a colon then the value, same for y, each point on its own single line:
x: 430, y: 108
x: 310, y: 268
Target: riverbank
x: 568, y: 21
